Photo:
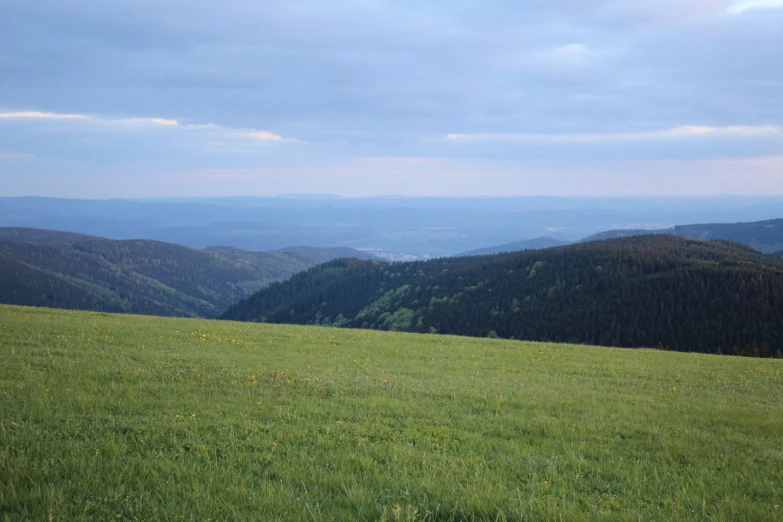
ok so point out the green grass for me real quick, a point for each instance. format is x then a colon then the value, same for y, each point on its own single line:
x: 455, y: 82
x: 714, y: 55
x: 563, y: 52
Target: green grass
x: 143, y: 418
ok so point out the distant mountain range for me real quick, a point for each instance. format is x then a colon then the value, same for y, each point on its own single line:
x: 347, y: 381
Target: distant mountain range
x: 66, y: 270
x: 764, y: 236
x: 400, y: 226
x: 652, y: 290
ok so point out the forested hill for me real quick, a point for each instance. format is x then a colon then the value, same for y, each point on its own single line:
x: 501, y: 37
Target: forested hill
x: 38, y: 235
x: 46, y: 268
x: 655, y: 290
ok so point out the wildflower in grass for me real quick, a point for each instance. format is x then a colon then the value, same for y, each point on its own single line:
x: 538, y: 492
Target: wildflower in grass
x: 274, y: 444
x: 674, y: 388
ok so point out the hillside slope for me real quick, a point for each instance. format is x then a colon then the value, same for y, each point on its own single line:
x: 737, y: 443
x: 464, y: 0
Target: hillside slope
x: 655, y: 290
x: 27, y: 285
x: 517, y: 246
x: 41, y: 268
x: 326, y: 253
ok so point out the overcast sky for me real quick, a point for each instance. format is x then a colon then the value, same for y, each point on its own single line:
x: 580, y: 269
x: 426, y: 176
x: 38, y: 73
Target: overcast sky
x: 360, y: 97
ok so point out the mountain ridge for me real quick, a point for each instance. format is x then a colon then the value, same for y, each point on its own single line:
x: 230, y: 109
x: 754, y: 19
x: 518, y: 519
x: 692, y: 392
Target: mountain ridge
x: 42, y: 268
x: 765, y: 236
x: 656, y: 290
x: 39, y: 235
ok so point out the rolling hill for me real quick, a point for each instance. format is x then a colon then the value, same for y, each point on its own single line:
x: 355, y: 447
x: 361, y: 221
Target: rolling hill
x: 655, y: 290
x: 48, y: 268
x: 517, y: 246
x: 38, y: 235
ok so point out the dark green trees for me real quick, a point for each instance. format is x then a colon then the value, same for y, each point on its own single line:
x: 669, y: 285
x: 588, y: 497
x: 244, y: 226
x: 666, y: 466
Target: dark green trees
x: 681, y: 294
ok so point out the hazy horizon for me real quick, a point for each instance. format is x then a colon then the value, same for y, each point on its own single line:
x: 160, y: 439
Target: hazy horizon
x: 306, y: 196
x: 399, y: 226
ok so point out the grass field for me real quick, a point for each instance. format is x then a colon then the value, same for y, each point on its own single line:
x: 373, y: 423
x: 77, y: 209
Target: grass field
x: 142, y: 418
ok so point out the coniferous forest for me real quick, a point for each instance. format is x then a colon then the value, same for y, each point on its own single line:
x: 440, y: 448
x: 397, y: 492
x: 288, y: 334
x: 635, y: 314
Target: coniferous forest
x: 646, y: 291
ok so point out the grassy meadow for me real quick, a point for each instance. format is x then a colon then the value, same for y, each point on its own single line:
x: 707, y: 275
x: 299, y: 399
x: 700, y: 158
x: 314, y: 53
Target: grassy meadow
x: 111, y: 417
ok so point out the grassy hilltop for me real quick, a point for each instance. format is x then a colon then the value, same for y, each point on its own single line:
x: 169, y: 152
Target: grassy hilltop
x: 143, y: 418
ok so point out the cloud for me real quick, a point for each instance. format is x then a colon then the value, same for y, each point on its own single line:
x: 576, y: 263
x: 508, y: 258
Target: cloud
x: 391, y: 160
x: 136, y: 86
x: 264, y: 136
x: 682, y: 131
x: 744, y: 5
x: 139, y: 124
x: 42, y: 116
x: 571, y: 53
x: 156, y: 121
x: 741, y: 130
x: 15, y: 156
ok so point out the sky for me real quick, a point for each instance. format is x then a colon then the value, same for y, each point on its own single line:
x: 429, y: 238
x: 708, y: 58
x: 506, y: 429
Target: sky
x: 165, y: 98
